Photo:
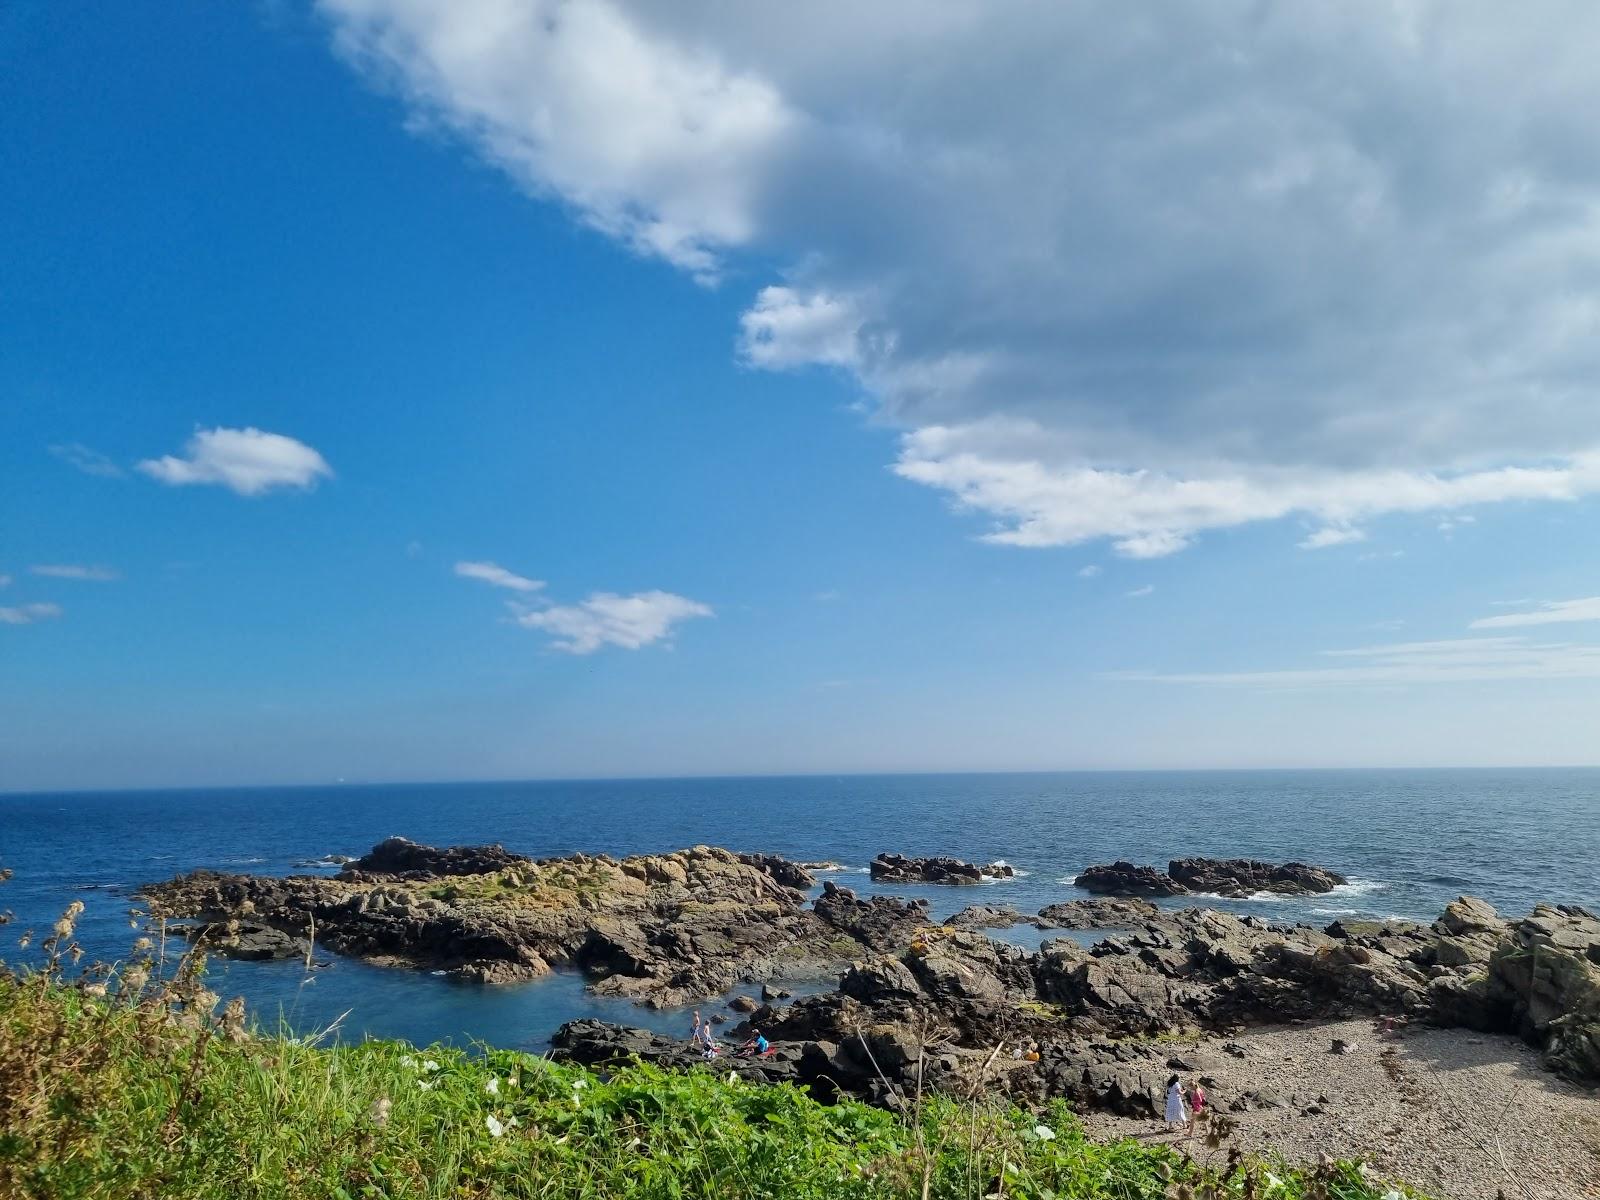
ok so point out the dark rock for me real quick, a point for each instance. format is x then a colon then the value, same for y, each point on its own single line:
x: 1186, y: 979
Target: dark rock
x: 879, y: 923
x: 401, y: 858
x: 1245, y: 877
x: 1122, y: 878
x: 1098, y: 913
x: 743, y: 1004
x: 986, y: 916
x: 897, y: 868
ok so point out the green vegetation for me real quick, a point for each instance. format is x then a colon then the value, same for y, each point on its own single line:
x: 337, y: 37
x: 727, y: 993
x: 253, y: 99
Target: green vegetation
x: 127, y: 1085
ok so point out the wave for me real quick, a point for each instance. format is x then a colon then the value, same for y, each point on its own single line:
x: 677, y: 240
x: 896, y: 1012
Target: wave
x: 833, y: 868
x: 1359, y: 887
x: 1336, y: 912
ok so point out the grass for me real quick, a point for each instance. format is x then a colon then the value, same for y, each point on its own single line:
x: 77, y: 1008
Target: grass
x: 131, y: 1084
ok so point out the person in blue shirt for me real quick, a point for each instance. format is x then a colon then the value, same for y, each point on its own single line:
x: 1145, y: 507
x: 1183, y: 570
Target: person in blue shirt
x: 756, y: 1046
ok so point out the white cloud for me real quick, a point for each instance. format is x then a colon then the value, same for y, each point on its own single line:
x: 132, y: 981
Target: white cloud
x: 655, y: 142
x: 785, y: 329
x: 1554, y: 612
x: 1323, y: 262
x: 1089, y: 572
x: 1461, y: 660
x: 607, y: 619
x: 75, y: 571
x: 1332, y: 535
x: 495, y: 574
x: 997, y: 469
x: 28, y: 614
x: 87, y: 460
x: 1146, y: 590
x: 247, y: 461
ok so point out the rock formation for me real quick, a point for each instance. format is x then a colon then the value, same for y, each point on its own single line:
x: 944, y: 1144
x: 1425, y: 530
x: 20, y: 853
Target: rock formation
x: 663, y: 929
x: 1122, y: 878
x: 897, y: 868
x: 1234, y: 877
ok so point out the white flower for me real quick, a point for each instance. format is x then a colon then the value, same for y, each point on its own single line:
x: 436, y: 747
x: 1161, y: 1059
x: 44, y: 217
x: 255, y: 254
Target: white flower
x: 1044, y: 1133
x: 493, y: 1086
x: 429, y: 1065
x: 579, y: 1084
x: 1273, y: 1182
x: 408, y: 1061
x: 425, y: 1085
x: 495, y: 1128
x: 733, y: 1077
x: 378, y: 1114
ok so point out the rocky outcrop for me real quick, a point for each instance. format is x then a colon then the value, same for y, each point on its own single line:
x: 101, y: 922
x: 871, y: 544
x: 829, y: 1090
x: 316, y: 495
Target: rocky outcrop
x: 1549, y: 976
x: 598, y: 1044
x: 987, y: 916
x: 878, y: 923
x: 1122, y: 878
x: 1098, y: 913
x: 1246, y: 877
x: 401, y: 858
x: 1232, y: 877
x: 662, y: 929
x: 897, y: 868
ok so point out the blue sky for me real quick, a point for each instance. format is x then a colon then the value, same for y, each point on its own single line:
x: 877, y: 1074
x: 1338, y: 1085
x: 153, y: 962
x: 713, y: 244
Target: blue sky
x: 861, y: 395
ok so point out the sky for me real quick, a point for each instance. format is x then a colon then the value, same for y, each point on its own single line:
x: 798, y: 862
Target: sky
x: 520, y: 388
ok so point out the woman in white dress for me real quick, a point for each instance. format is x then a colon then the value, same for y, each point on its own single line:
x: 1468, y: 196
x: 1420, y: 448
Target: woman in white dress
x: 1177, y: 1111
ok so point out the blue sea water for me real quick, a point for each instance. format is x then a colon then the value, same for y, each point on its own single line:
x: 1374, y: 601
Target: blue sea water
x: 1410, y: 841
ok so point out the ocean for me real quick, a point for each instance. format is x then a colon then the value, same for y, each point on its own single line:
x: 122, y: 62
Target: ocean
x: 1409, y: 841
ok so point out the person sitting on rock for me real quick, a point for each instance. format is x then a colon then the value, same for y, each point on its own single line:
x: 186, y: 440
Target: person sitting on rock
x: 755, y: 1047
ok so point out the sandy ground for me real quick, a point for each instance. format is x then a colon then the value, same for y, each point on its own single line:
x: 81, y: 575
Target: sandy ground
x: 1459, y: 1115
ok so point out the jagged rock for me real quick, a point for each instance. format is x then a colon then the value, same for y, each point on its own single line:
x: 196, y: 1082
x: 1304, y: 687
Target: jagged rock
x: 880, y: 923
x: 1245, y: 877
x: 1122, y: 878
x: 1550, y: 970
x: 595, y: 1043
x: 404, y: 859
x: 662, y: 929
x: 897, y: 868
x: 1468, y: 933
x: 744, y: 1004
x: 986, y: 916
x: 246, y: 941
x: 1098, y: 913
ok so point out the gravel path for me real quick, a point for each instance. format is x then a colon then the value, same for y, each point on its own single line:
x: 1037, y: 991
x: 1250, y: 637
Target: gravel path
x: 1439, y: 1109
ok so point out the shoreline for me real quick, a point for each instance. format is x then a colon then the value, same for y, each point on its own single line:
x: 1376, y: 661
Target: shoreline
x: 1451, y: 1112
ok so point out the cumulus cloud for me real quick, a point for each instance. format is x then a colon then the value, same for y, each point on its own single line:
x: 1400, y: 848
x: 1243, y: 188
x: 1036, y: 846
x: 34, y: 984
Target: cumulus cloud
x: 1113, y: 276
x: 607, y: 619
x: 1460, y: 660
x: 75, y: 571
x: 1554, y: 612
x: 87, y: 460
x: 29, y: 614
x: 247, y: 461
x: 498, y: 576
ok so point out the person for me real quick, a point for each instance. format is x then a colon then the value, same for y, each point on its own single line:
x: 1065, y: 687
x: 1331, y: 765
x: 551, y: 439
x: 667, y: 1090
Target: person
x: 1197, y: 1104
x: 706, y: 1040
x: 1176, y: 1115
x: 694, y: 1034
x: 755, y: 1047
